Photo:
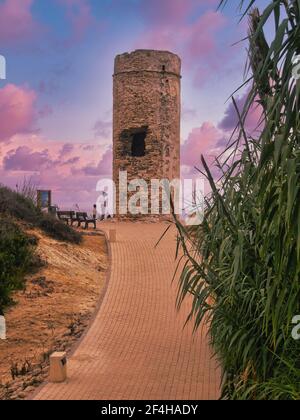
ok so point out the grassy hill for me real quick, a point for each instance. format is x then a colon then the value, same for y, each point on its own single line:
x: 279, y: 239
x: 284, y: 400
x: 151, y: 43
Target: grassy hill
x: 17, y: 249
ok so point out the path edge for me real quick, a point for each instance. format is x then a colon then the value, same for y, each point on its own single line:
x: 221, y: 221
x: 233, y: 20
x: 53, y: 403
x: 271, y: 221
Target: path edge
x: 97, y: 309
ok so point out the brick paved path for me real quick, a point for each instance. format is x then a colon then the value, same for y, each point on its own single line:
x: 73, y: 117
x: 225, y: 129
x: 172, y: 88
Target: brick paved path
x: 137, y: 348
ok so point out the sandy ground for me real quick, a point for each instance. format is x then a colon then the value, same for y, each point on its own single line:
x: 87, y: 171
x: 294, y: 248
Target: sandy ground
x: 57, y: 303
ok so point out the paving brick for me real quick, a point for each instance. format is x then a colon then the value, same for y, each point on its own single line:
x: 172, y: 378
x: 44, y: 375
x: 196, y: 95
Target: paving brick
x: 137, y: 347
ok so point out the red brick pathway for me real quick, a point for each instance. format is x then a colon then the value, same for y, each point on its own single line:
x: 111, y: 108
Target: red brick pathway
x: 137, y: 347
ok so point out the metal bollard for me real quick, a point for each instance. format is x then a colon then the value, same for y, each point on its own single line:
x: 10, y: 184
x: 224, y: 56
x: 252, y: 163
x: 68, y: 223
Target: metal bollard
x: 58, y: 367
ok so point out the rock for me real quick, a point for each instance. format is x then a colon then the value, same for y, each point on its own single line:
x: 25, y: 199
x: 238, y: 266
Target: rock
x: 30, y: 389
x: 35, y: 372
x: 13, y: 388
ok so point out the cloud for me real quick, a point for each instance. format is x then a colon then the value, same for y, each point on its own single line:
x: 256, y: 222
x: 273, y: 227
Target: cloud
x: 103, y: 129
x: 16, y: 21
x: 210, y: 140
x: 31, y: 152
x: 188, y: 39
x: 45, y: 111
x: 24, y: 159
x: 80, y: 17
x: 200, y: 36
x: 48, y: 87
x: 159, y: 12
x: 230, y: 120
x: 71, y: 171
x: 188, y: 112
x: 205, y: 140
x: 17, y: 113
x: 194, y: 40
x: 66, y: 150
x: 104, y: 167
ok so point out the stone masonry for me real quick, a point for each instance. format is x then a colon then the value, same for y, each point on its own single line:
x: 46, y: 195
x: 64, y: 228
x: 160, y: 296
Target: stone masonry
x: 146, y: 116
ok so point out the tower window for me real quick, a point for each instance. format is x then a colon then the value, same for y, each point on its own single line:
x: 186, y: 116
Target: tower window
x: 133, y: 141
x: 163, y: 68
x: 138, y: 145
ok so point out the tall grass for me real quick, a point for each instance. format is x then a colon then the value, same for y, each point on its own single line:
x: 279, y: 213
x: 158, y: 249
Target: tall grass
x: 28, y: 189
x: 243, y: 266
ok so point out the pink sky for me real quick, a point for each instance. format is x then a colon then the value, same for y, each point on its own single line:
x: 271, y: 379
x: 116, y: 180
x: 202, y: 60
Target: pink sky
x: 55, y: 127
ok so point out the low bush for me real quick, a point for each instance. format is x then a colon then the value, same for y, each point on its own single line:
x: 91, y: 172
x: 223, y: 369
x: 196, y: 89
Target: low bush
x: 18, y: 206
x: 15, y: 205
x: 16, y: 259
x: 58, y: 230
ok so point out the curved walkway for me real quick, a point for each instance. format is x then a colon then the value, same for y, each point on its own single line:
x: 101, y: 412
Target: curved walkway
x: 137, y: 347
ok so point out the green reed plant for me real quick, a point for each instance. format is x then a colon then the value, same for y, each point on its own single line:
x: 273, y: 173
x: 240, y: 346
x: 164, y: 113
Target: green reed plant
x: 243, y: 262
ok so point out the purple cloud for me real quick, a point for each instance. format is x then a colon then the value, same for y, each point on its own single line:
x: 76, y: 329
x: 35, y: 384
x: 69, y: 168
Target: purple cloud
x: 24, y: 159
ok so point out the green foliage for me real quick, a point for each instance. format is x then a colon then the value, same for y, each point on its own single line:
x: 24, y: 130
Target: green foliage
x: 16, y: 249
x: 16, y: 258
x: 243, y: 266
x: 58, y: 230
x: 17, y: 205
x: 22, y: 207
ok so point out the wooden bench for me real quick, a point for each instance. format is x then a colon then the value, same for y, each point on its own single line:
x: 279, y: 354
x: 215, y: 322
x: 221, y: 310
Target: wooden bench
x: 67, y: 216
x: 84, y: 218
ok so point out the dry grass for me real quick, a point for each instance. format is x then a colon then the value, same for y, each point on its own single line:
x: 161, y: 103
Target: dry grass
x: 55, y: 299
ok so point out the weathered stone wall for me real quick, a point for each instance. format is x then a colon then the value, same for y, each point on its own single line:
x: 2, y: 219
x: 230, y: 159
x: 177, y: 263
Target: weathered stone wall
x: 147, y: 98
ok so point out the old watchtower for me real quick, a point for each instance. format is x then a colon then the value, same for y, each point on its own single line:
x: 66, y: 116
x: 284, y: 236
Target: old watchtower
x: 146, y: 115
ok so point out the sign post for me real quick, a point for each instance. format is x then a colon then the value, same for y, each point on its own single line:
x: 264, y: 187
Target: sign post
x: 44, y: 198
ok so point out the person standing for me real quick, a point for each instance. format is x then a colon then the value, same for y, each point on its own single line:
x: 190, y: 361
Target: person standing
x: 95, y: 212
x: 103, y: 204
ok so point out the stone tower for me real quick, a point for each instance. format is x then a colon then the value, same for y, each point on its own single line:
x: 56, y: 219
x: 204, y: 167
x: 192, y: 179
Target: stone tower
x: 146, y: 116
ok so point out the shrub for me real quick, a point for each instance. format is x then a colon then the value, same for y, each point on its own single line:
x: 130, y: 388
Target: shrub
x: 58, y: 230
x: 16, y: 258
x: 20, y: 207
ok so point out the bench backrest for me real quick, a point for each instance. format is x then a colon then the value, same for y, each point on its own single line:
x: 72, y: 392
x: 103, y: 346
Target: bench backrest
x: 81, y: 216
x: 66, y: 214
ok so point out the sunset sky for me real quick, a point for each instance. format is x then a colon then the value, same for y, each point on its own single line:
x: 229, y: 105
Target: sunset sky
x: 56, y: 103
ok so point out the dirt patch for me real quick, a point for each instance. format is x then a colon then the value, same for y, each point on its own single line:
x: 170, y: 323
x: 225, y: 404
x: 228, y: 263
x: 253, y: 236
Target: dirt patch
x: 52, y: 312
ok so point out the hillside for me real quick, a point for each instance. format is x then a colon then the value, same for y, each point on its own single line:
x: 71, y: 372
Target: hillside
x: 53, y: 309
x: 49, y: 289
